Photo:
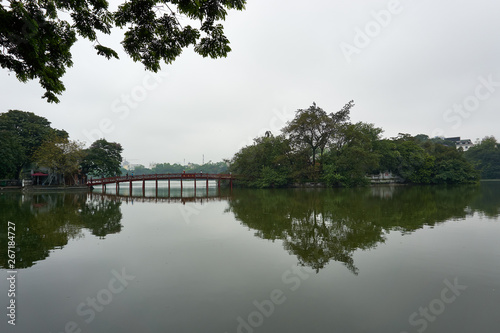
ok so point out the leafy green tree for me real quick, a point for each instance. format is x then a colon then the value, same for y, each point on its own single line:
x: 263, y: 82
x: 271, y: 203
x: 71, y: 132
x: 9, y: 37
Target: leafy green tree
x: 266, y: 163
x: 22, y: 133
x: 60, y: 155
x: 349, y: 165
x: 103, y: 158
x: 11, y: 155
x: 415, y: 164
x: 421, y: 160
x: 486, y: 157
x: 351, y: 152
x: 389, y: 155
x: 450, y: 164
x: 313, y: 129
x: 36, y: 36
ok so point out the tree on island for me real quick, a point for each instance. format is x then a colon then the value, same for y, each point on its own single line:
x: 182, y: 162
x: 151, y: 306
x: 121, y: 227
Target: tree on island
x: 486, y: 157
x: 103, y: 159
x: 267, y: 162
x: 347, y: 154
x: 353, y: 155
x: 21, y: 134
x: 36, y: 36
x: 61, y: 156
x: 313, y: 128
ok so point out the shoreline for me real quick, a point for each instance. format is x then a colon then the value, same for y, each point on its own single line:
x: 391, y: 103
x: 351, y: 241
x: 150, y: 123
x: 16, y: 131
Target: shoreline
x: 78, y: 188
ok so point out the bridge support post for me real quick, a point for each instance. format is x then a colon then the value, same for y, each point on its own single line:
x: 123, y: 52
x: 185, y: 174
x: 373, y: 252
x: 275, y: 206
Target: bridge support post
x: 169, y: 187
x: 143, y: 186
x: 194, y: 184
x: 117, y: 187
x: 130, y: 189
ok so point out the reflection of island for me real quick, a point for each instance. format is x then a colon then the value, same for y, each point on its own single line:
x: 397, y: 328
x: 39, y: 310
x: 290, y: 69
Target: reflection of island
x: 488, y: 201
x: 330, y: 224
x: 47, y: 221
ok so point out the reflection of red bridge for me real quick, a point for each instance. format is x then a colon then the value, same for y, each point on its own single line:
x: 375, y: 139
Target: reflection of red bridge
x: 156, y: 177
x: 156, y: 199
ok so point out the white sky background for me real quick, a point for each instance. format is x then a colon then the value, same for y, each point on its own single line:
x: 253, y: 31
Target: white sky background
x: 429, y: 56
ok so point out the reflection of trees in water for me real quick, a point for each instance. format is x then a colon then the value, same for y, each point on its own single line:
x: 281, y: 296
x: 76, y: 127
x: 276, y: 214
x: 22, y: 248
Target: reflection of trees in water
x: 102, y: 217
x: 330, y: 224
x: 488, y: 201
x: 47, y: 221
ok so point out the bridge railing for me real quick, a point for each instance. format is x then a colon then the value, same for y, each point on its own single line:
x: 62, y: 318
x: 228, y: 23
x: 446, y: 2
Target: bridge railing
x: 173, y: 176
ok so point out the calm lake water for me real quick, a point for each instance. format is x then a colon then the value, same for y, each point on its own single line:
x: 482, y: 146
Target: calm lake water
x: 382, y: 259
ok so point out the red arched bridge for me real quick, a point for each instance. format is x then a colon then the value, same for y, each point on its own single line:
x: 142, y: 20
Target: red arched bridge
x: 156, y: 177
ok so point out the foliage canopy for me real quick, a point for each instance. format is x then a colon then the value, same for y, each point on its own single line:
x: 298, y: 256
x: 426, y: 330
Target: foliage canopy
x: 21, y: 134
x: 60, y: 155
x: 36, y: 36
x: 317, y: 146
x: 103, y: 158
x: 486, y: 157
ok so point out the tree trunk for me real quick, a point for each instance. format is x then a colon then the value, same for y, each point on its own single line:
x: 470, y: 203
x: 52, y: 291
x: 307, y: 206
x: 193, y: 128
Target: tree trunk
x: 314, y: 165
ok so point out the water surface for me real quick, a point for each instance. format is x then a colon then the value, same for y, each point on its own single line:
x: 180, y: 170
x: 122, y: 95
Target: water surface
x: 381, y: 259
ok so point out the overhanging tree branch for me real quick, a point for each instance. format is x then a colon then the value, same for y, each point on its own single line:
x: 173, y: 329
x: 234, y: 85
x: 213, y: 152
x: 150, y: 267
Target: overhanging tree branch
x: 36, y: 41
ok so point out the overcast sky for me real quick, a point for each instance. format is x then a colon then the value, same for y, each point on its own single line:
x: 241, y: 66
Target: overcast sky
x: 411, y: 66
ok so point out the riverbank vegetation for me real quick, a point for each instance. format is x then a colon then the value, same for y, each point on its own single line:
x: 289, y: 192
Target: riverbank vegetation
x: 315, y: 147
x: 486, y: 157
x: 29, y: 144
x: 327, y: 148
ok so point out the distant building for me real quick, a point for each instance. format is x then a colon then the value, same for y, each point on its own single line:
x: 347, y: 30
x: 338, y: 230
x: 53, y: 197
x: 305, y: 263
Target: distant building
x: 386, y: 177
x: 125, y: 164
x: 129, y: 166
x: 465, y: 144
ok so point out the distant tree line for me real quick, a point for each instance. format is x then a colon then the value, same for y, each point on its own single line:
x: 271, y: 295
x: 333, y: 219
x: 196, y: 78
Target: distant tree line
x: 327, y: 148
x: 162, y: 168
